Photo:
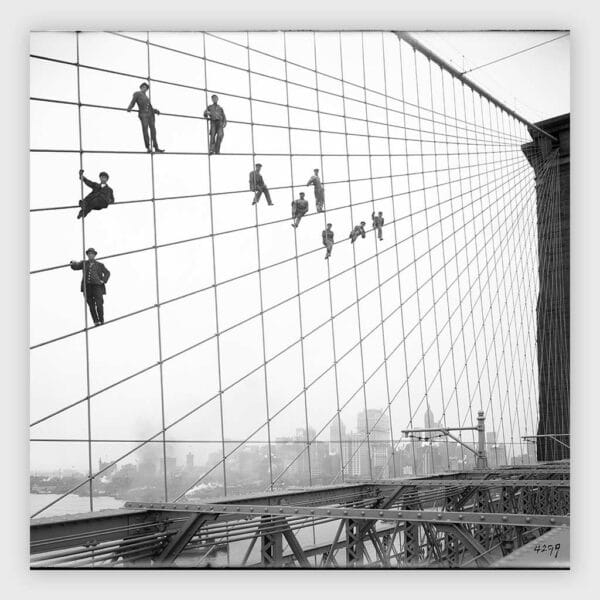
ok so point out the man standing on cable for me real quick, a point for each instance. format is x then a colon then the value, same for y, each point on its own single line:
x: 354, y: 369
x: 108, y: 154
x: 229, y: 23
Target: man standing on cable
x: 95, y: 276
x: 299, y: 209
x: 328, y: 240
x: 319, y: 191
x: 358, y: 230
x: 218, y: 121
x: 257, y: 185
x: 378, y: 224
x: 146, y: 114
x: 100, y: 196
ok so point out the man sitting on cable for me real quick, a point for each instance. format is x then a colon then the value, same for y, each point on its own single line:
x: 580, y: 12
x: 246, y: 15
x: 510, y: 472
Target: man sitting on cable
x: 100, y: 196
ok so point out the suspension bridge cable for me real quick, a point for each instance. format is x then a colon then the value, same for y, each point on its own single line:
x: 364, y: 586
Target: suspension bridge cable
x: 130, y: 452
x: 464, y: 370
x: 497, y: 60
x: 268, y: 75
x: 410, y: 264
x: 452, y: 235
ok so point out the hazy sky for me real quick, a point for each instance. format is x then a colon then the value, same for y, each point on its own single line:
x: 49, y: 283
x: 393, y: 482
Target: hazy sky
x: 448, y: 296
x: 536, y: 83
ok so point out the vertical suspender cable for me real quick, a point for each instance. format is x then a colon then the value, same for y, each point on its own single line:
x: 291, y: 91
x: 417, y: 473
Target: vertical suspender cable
x: 335, y: 359
x: 444, y: 262
x: 216, y: 301
x: 416, y: 270
x: 287, y: 104
x: 362, y: 361
x: 157, y: 289
x: 406, y: 165
x: 375, y: 234
x: 83, y: 279
x: 260, y: 282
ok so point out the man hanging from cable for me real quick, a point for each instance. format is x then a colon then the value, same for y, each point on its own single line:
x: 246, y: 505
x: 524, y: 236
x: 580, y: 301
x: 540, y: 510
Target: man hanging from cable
x: 218, y: 121
x: 378, y: 224
x: 257, y: 185
x: 359, y: 230
x: 328, y: 240
x: 319, y: 190
x: 299, y: 209
x: 100, y: 196
x: 95, y: 277
x: 146, y: 114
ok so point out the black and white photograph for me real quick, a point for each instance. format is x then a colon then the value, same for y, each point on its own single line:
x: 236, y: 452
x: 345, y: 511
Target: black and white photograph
x: 299, y: 299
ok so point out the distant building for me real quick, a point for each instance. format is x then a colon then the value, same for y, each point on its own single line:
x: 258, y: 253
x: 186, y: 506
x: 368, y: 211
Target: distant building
x: 334, y: 436
x: 189, y: 461
x: 375, y: 451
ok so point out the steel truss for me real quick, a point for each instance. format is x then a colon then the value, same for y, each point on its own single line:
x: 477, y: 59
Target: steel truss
x: 469, y: 519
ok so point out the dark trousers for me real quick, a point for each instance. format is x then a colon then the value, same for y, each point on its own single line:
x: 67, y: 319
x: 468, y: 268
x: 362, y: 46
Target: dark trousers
x: 320, y: 199
x: 259, y: 192
x: 88, y: 205
x: 215, y: 136
x: 379, y: 229
x: 147, y: 121
x: 95, y: 301
x: 329, y: 245
x: 297, y: 217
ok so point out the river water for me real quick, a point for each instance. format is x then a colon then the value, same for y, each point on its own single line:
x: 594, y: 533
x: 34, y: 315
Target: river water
x: 70, y: 504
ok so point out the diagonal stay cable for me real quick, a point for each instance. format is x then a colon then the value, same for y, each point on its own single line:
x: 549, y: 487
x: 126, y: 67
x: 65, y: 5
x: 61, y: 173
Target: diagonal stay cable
x: 179, y: 353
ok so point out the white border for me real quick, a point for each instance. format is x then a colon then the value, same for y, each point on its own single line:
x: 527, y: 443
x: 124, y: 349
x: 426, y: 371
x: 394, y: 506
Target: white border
x: 18, y: 18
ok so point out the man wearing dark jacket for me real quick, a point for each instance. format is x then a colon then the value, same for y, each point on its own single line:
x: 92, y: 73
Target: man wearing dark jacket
x: 378, y: 224
x: 146, y: 114
x: 319, y: 191
x: 257, y: 185
x: 218, y: 121
x: 299, y: 209
x: 100, y: 196
x: 358, y: 230
x: 95, y: 276
x: 328, y: 240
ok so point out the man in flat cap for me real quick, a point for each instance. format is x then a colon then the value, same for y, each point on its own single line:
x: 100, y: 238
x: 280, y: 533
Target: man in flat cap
x: 328, y: 240
x: 315, y: 181
x: 378, y: 224
x: 146, y: 114
x: 218, y: 121
x: 257, y: 185
x: 299, y: 209
x: 95, y: 276
x: 359, y: 230
x: 100, y: 196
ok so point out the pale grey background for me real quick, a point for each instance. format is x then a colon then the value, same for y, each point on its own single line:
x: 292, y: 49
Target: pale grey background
x: 582, y: 20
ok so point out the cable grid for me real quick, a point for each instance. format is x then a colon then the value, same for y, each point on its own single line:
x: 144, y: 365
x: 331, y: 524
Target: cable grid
x: 269, y: 365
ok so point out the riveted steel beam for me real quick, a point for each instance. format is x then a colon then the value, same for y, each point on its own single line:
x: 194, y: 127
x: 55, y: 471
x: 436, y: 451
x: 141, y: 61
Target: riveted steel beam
x: 526, y: 520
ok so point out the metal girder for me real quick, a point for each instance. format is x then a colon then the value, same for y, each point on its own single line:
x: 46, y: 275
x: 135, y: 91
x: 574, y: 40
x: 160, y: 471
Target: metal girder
x: 271, y: 544
x: 527, y: 520
x: 295, y: 546
x: 355, y: 548
x: 329, y: 550
x: 313, y: 495
x: 56, y: 533
x: 480, y: 553
x: 180, y: 541
x: 435, y: 483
